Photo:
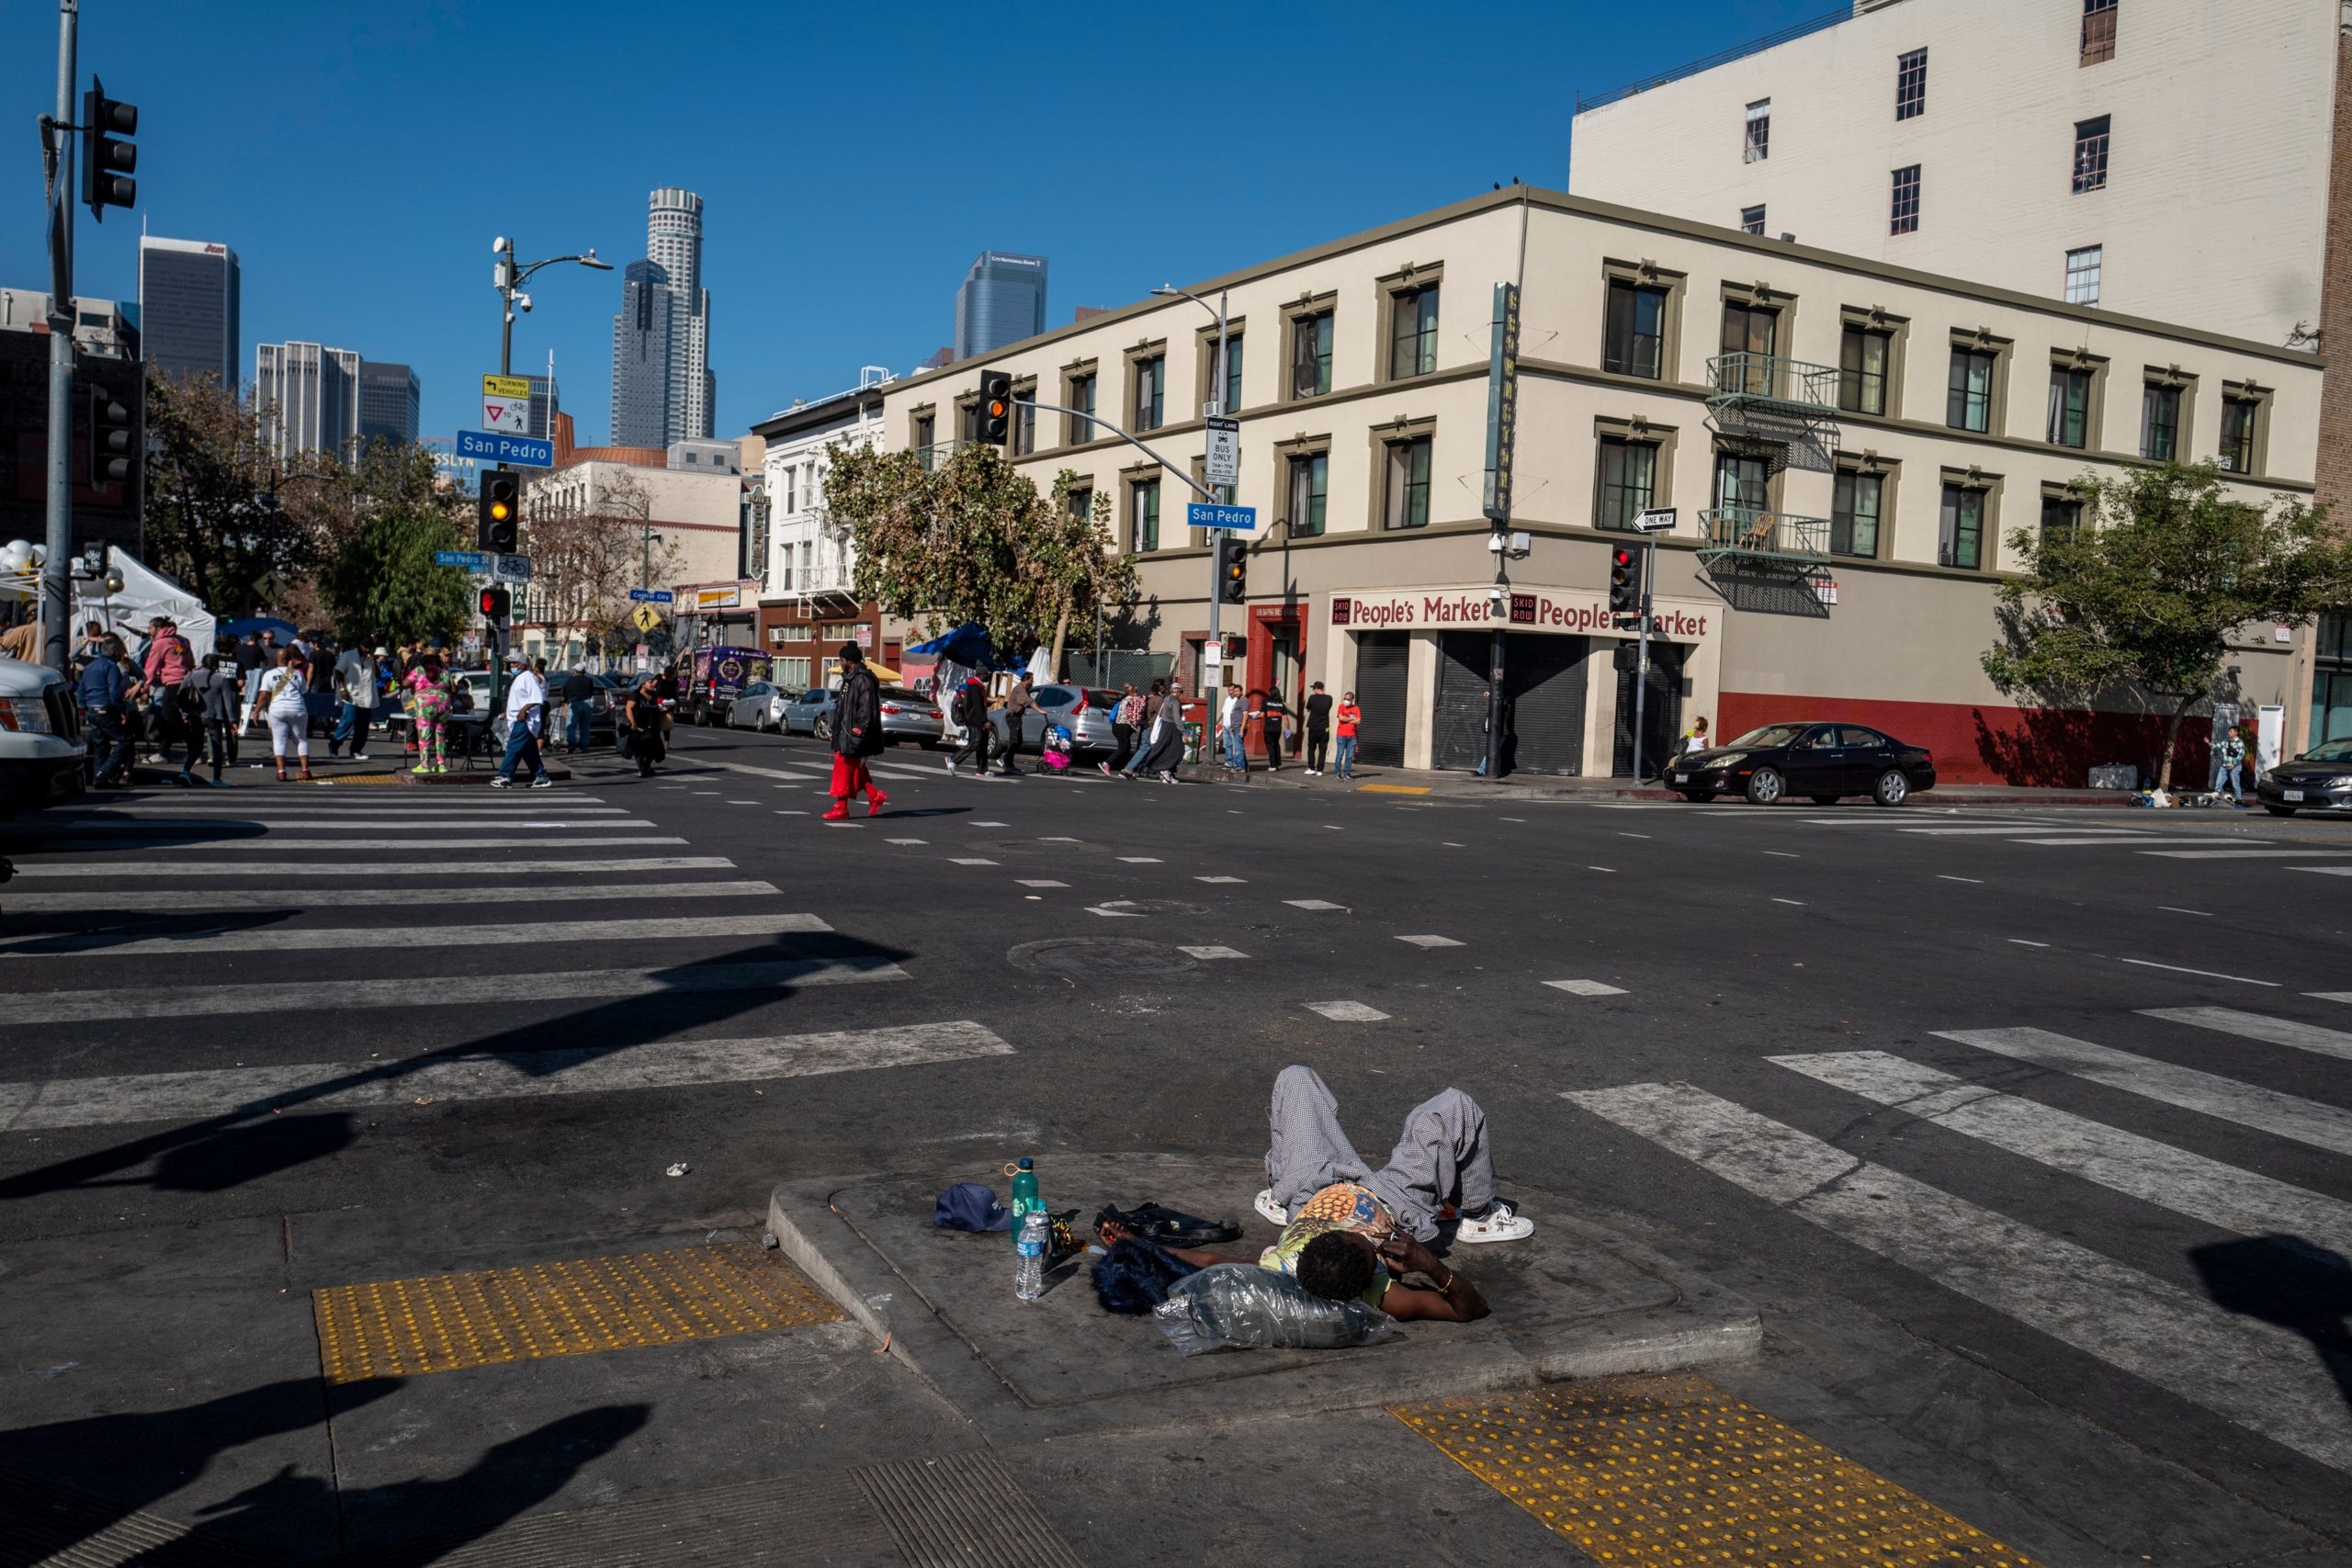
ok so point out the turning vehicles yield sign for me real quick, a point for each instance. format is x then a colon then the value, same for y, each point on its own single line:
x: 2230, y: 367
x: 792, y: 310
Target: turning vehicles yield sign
x: 507, y: 404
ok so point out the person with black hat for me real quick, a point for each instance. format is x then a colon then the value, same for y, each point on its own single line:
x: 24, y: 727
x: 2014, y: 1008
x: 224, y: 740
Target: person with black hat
x: 857, y: 735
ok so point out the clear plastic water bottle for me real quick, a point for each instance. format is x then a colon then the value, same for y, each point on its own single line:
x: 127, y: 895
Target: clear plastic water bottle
x: 1036, y: 1234
x: 1025, y: 1194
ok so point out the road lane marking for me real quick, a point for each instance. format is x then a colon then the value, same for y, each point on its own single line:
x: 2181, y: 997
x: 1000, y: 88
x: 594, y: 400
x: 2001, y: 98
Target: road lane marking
x: 2324, y: 870
x: 2255, y: 1374
x: 1142, y: 860
x: 2208, y: 974
x: 1585, y: 988
x: 968, y: 860
x: 377, y: 939
x: 2209, y: 1094
x: 219, y: 824
x: 1025, y: 883
x: 2117, y: 843
x: 1941, y: 876
x: 2021, y: 941
x: 1431, y: 941
x: 1798, y: 902
x: 368, y: 897
x: 664, y: 1063
x: 1212, y: 951
x: 277, y: 845
x: 376, y: 868
x: 1312, y: 904
x: 903, y: 840
x: 2177, y: 909
x: 1347, y: 1013
x: 2255, y: 1026
x: 1221, y: 879
x: 1785, y: 854
x: 2246, y: 855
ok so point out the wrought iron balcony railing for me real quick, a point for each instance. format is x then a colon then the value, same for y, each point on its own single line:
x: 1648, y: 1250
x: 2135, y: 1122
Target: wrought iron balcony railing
x: 1772, y: 381
x: 1754, y: 533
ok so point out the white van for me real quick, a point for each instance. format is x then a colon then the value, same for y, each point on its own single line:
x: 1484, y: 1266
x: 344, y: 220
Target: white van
x: 42, y: 754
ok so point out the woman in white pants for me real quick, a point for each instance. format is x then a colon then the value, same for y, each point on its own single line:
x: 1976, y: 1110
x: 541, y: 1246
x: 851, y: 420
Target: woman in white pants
x: 283, y: 689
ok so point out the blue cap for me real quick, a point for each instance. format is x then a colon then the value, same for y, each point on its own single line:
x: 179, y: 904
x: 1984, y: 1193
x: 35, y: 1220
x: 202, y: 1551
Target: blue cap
x: 1028, y: 1164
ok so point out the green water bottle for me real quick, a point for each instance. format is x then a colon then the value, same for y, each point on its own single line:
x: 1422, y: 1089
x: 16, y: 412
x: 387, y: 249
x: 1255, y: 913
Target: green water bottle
x: 1025, y: 1194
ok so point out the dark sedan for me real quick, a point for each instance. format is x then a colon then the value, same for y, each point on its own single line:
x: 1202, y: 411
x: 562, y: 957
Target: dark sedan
x: 2319, y: 780
x: 1824, y: 762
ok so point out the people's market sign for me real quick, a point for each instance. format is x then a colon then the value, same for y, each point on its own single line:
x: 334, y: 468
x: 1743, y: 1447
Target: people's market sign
x: 1570, y: 612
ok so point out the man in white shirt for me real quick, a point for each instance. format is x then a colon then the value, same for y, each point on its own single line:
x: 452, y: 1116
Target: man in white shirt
x: 1234, y: 714
x: 354, y: 688
x: 526, y: 707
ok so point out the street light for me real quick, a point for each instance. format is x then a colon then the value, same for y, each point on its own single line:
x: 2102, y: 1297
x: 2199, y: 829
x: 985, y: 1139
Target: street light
x: 1212, y: 408
x: 508, y: 278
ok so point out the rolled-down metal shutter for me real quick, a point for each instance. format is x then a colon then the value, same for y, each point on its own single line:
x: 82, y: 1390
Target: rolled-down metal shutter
x: 1545, y: 676
x: 1380, y: 691
x: 1459, y: 735
x: 1661, y: 710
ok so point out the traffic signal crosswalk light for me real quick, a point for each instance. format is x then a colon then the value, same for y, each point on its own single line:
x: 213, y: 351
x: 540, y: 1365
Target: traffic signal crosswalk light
x: 106, y: 161
x: 1625, y: 580
x: 497, y: 510
x: 496, y: 602
x: 994, y: 425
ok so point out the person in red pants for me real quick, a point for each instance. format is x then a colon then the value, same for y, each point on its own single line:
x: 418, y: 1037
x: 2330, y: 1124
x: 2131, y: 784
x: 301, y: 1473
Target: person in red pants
x: 857, y: 735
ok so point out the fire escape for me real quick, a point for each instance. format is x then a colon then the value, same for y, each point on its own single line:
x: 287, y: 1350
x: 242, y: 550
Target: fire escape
x: 1784, y: 412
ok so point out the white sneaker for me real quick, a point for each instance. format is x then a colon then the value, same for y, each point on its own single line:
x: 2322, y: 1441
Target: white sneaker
x: 1271, y: 1210
x: 950, y: 767
x: 1501, y: 1224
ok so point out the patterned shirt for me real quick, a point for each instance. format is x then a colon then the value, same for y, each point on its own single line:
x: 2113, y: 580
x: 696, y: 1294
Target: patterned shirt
x: 1342, y: 1206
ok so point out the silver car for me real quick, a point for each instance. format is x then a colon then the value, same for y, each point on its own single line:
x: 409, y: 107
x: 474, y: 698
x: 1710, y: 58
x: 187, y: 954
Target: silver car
x: 801, y: 713
x: 760, y: 705
x: 906, y: 714
x: 1084, y: 711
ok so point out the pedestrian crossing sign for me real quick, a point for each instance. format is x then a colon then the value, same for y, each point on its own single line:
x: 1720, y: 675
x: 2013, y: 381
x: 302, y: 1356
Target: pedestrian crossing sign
x: 645, y: 617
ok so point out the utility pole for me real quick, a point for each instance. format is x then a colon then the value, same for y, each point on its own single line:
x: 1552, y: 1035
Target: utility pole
x: 56, y: 606
x: 1212, y: 407
x: 1641, y: 653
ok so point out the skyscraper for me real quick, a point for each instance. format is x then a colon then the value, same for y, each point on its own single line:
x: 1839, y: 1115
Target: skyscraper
x: 309, y: 398
x: 1003, y: 300
x: 388, y: 399
x: 188, y: 309
x: 663, y: 387
x: 547, y: 401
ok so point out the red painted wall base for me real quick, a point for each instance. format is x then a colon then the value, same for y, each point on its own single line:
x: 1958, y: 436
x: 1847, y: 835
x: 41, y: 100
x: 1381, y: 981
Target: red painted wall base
x: 2048, y: 748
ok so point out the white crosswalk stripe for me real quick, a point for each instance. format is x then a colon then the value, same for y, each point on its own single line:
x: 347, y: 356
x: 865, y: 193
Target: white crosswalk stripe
x: 331, y: 824
x: 374, y: 938
x: 2255, y: 1026
x: 277, y: 845
x: 180, y: 900
x: 2261, y: 1376
x: 112, y: 867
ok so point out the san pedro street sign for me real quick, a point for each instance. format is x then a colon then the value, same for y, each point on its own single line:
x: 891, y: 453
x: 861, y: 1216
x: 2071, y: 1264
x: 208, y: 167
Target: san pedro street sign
x: 1201, y: 514
x: 495, y: 447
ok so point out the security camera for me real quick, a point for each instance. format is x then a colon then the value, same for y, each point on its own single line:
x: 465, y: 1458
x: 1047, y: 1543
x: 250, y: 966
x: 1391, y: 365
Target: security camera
x: 523, y: 303
x: 498, y: 246
x: 1494, y: 595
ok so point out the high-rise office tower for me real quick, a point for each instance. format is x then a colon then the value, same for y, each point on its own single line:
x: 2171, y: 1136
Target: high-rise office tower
x: 388, y: 399
x: 188, y: 309
x: 663, y: 387
x: 1003, y: 300
x: 309, y: 398
x: 546, y: 403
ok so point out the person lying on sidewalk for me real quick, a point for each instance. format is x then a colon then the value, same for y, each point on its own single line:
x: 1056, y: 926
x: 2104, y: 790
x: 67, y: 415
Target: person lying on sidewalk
x: 1351, y: 1233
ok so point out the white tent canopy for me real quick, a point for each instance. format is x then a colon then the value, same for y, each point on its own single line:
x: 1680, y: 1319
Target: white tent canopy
x: 146, y: 593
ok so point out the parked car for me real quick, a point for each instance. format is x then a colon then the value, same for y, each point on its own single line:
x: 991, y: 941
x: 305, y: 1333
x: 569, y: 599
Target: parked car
x: 1822, y: 761
x: 761, y: 707
x: 42, y: 754
x: 1085, y: 711
x: 801, y: 713
x: 906, y: 714
x: 2319, y: 780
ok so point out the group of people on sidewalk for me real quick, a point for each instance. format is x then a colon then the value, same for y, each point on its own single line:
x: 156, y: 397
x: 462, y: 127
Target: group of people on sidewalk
x: 1323, y: 719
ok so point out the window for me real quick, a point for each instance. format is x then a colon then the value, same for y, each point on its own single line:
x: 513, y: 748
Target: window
x: 1150, y: 390
x: 838, y: 631
x: 1310, y: 487
x: 1142, y: 515
x: 1758, y: 144
x: 1854, y: 507
x: 1628, y: 481
x: 1743, y: 482
x: 1861, y: 370
x: 1080, y: 396
x: 1962, y: 541
x: 799, y: 632
x: 791, y: 491
x: 1408, y: 503
x: 925, y: 426
x: 2099, y: 31
x: 2159, y: 421
x: 2083, y: 268
x: 2061, y: 515
x: 2238, y: 419
x: 2069, y: 407
x: 2090, y: 154
x: 1412, y: 343
x: 1752, y: 333
x: 1751, y: 220
x: 1902, y: 214
x: 1968, y: 402
x: 792, y: 671
x: 1025, y: 422
x: 1232, y: 372
x: 1635, y: 330
x: 1911, y: 85
x: 1310, y: 354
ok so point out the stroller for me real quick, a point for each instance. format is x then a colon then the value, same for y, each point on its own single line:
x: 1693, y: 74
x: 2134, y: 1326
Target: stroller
x: 1054, y: 757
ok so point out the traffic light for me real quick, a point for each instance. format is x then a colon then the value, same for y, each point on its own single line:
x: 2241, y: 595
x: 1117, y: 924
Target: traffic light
x: 105, y: 161
x: 1624, y: 581
x: 995, y: 422
x: 1232, y: 568
x: 496, y: 510
x: 496, y: 602
x: 112, y: 440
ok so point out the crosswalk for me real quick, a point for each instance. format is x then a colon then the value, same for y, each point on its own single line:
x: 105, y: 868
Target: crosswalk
x: 2218, y: 1334
x: 451, y: 918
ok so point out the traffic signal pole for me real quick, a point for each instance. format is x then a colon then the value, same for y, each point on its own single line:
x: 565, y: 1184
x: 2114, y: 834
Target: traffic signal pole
x: 56, y: 608
x: 1642, y: 653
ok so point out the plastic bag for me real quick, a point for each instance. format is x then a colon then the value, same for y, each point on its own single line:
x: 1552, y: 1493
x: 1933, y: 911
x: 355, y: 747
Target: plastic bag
x: 1240, y: 1306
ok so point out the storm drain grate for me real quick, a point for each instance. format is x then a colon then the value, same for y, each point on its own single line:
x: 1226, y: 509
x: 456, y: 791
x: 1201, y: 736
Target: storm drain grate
x: 393, y: 1328
x: 1658, y: 1471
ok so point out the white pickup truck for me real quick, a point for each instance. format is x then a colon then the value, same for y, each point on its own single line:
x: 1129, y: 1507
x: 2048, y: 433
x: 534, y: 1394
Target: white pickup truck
x: 42, y: 754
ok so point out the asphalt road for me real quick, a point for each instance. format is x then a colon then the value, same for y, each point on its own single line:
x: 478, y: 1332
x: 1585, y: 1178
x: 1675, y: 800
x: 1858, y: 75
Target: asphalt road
x: 2031, y: 1132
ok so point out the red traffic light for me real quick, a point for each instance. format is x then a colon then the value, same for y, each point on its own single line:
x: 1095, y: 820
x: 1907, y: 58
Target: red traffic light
x: 495, y: 602
x: 1621, y: 558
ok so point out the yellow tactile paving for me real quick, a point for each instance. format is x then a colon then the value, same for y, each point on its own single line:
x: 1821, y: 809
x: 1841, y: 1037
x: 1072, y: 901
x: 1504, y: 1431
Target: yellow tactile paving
x: 399, y: 1327
x: 1673, y: 1473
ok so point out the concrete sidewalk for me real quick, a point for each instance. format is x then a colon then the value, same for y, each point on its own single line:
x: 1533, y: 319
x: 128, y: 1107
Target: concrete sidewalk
x: 1454, y: 784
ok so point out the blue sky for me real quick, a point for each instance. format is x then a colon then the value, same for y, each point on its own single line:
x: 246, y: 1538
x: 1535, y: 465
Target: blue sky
x: 360, y: 158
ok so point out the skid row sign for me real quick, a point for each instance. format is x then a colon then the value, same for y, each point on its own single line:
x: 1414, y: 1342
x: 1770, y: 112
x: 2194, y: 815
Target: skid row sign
x: 1565, y: 611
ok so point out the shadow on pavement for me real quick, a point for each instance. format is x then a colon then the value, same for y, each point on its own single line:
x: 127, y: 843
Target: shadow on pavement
x: 2293, y: 1284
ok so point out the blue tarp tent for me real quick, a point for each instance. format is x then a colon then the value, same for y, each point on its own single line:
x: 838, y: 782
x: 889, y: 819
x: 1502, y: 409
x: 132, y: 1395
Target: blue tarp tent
x: 967, y: 645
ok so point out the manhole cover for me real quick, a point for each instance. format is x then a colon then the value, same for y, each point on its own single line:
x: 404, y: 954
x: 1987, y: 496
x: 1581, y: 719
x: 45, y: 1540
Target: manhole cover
x: 1096, y: 957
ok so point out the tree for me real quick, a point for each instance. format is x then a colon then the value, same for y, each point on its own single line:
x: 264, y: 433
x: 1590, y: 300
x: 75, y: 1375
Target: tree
x: 210, y: 521
x: 584, y: 561
x: 971, y: 540
x: 382, y: 581
x: 2141, y: 599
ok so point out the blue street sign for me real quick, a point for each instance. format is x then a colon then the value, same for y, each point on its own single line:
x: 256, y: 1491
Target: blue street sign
x: 472, y: 561
x: 490, y: 447
x: 651, y: 596
x: 1200, y: 514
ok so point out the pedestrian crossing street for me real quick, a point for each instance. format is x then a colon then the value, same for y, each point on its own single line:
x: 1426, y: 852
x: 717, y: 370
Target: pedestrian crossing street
x: 491, y: 910
x: 2259, y: 1344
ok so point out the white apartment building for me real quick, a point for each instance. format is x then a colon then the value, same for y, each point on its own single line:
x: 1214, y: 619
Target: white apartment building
x: 806, y: 603
x: 1846, y: 481
x: 691, y: 516
x: 2161, y: 158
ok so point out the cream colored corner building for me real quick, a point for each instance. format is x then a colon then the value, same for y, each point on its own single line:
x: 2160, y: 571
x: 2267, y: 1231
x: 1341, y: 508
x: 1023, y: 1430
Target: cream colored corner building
x: 1827, y: 562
